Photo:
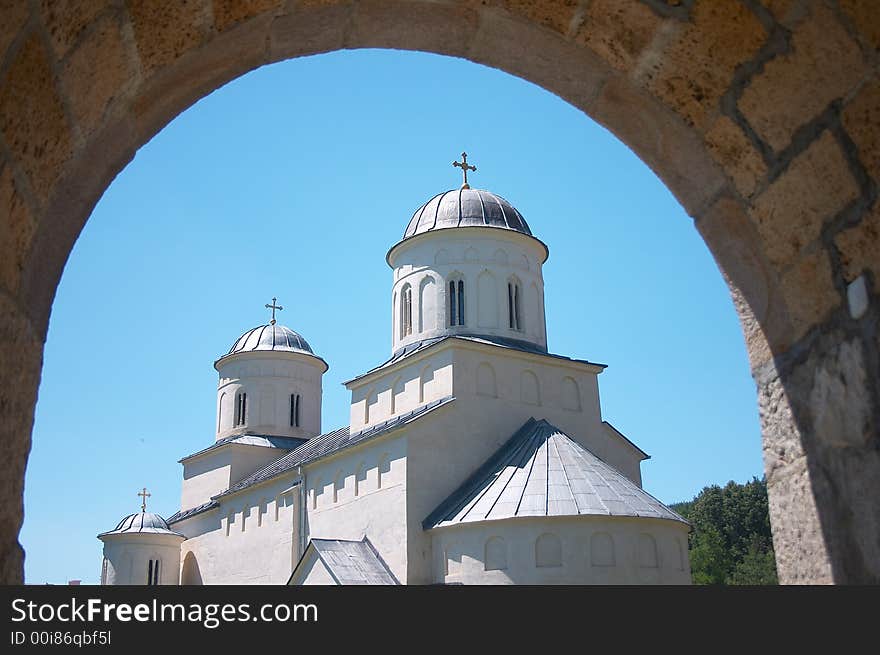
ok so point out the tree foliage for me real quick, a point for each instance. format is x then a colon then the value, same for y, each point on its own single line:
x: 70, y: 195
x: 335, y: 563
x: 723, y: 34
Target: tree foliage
x: 730, y: 542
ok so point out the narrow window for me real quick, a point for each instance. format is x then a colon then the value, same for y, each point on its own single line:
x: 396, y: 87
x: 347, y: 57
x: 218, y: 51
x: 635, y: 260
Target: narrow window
x: 156, y: 572
x: 294, y: 410
x: 461, y: 302
x: 150, y: 573
x: 510, y: 304
x: 406, y: 311
x: 514, y: 314
x: 240, y: 408
x: 452, y: 315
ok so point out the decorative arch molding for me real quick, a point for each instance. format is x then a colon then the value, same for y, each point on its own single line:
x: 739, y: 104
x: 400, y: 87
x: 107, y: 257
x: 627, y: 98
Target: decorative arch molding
x: 548, y: 551
x: 487, y: 300
x: 427, y: 304
x: 495, y: 554
x: 648, y: 556
x: 570, y: 394
x: 602, y: 549
x: 530, y: 388
x: 486, y: 380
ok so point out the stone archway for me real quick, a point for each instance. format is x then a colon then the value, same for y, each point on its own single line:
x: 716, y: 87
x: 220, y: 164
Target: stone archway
x: 761, y: 116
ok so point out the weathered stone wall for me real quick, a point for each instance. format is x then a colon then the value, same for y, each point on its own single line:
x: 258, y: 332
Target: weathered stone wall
x: 761, y: 116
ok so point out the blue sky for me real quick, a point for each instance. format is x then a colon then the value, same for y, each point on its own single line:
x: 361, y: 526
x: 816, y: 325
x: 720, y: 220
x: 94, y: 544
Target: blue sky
x: 293, y: 181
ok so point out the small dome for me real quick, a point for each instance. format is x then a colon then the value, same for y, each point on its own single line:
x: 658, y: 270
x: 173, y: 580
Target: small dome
x: 142, y: 522
x: 270, y: 337
x: 466, y: 207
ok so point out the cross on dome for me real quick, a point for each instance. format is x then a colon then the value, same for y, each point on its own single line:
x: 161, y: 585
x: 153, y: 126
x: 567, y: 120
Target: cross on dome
x: 144, y: 495
x: 273, y: 307
x: 465, y: 167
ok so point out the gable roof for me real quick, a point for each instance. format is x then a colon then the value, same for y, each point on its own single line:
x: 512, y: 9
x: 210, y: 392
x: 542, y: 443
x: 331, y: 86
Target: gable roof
x: 501, y: 342
x: 541, y: 471
x: 328, y: 444
x: 349, y: 562
x: 262, y: 440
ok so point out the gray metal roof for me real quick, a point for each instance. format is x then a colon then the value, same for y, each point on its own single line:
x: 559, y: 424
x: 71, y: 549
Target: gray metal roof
x: 351, y: 562
x: 466, y: 207
x: 262, y: 440
x: 192, y: 511
x: 541, y: 471
x: 501, y: 342
x: 270, y: 337
x: 143, y: 522
x: 330, y: 443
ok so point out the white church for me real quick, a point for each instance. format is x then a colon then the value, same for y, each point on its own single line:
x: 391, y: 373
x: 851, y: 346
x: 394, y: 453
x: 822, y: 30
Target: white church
x: 473, y: 455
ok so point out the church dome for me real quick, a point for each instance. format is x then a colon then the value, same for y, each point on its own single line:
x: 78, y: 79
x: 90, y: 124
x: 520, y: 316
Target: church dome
x: 270, y: 337
x: 466, y: 207
x: 142, y: 522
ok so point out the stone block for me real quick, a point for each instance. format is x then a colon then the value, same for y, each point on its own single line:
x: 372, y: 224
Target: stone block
x: 310, y: 28
x: 16, y: 231
x: 65, y: 20
x: 230, y: 12
x: 32, y: 118
x: 96, y: 72
x: 809, y: 292
x: 618, y: 31
x: 15, y: 13
x: 164, y: 31
x: 794, y: 88
x: 407, y: 25
x: 865, y: 18
x: 859, y: 246
x: 697, y: 67
x: 556, y: 15
x: 815, y: 186
x: 731, y: 148
x: 861, y: 118
x: 839, y: 400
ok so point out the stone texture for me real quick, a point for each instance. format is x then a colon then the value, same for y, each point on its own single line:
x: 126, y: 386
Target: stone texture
x: 32, y: 119
x: 662, y: 141
x: 861, y: 118
x: 697, y: 68
x: 791, y: 212
x: 858, y: 246
x: 618, y: 31
x: 865, y: 18
x: 14, y: 13
x: 406, y: 25
x: 21, y: 357
x: 801, y: 553
x: 840, y: 401
x: 164, y: 31
x: 808, y: 288
x: 91, y: 87
x: 65, y: 20
x: 230, y: 12
x: 824, y: 64
x: 731, y: 148
x: 554, y: 14
x: 780, y: 8
x: 309, y: 28
x: 16, y: 231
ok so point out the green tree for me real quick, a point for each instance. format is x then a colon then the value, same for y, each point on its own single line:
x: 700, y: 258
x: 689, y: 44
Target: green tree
x: 731, y: 542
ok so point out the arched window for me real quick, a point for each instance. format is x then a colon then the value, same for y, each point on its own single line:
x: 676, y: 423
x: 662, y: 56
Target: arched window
x: 240, y: 408
x: 514, y: 305
x: 406, y: 311
x: 456, y: 302
x: 153, y: 572
x: 294, y: 410
x: 220, y: 407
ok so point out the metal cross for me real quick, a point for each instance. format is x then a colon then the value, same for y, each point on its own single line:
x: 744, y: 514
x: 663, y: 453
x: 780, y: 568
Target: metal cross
x: 273, y: 307
x: 144, y: 494
x: 465, y: 167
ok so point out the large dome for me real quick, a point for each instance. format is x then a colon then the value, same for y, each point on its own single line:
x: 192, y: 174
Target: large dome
x: 466, y: 207
x: 270, y: 337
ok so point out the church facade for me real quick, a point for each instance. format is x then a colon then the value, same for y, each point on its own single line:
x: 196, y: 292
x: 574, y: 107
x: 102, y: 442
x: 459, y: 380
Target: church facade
x: 473, y: 455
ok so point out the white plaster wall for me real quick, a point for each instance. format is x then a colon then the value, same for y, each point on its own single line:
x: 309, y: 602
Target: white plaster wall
x: 128, y: 557
x: 412, y: 384
x: 269, y: 378
x: 460, y: 551
x: 314, y: 572
x: 377, y: 511
x: 252, y: 538
x: 473, y: 254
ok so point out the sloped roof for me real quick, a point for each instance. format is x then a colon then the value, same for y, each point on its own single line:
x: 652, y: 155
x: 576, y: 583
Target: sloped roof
x: 541, y: 471
x: 329, y: 443
x: 192, y: 511
x: 264, y: 440
x: 350, y: 562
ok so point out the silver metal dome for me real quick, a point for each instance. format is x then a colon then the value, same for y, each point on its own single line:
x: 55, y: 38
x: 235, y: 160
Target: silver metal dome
x: 142, y: 522
x: 466, y: 207
x: 270, y: 337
